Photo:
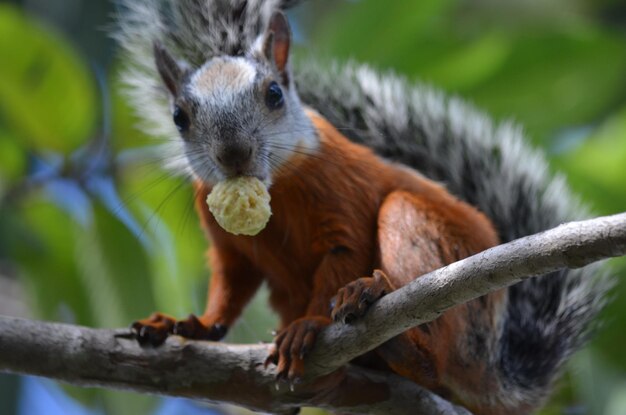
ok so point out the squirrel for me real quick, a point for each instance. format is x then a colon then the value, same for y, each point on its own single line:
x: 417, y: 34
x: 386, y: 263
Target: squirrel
x: 358, y: 211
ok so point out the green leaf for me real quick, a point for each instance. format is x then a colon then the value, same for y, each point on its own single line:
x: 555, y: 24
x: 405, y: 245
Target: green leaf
x: 127, y: 403
x: 126, y: 125
x: 545, y: 75
x: 617, y: 403
x: 177, y: 262
x: 596, y: 381
x: 44, y: 252
x: 46, y: 95
x: 597, y: 168
x: 611, y: 335
x: 12, y: 158
x: 386, y: 34
x: 470, y: 64
x: 556, y: 77
x: 114, y: 270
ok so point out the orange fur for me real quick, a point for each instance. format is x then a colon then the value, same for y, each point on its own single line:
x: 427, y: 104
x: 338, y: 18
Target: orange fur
x: 337, y: 216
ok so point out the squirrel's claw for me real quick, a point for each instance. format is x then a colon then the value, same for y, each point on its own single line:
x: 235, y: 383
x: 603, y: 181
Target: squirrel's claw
x: 353, y: 300
x: 153, y: 331
x: 150, y: 336
x: 292, y: 346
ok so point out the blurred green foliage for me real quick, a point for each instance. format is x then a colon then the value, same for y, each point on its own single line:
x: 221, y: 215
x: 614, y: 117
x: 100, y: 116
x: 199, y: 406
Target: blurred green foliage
x: 100, y: 235
x: 42, y: 69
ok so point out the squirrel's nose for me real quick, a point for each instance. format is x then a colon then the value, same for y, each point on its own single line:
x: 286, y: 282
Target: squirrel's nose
x: 234, y: 158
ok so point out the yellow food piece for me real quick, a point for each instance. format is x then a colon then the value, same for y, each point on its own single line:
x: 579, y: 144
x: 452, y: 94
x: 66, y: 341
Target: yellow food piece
x: 240, y: 205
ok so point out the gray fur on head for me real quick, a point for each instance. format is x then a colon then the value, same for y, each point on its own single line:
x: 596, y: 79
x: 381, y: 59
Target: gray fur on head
x: 193, y: 31
x: 230, y: 52
x: 485, y: 164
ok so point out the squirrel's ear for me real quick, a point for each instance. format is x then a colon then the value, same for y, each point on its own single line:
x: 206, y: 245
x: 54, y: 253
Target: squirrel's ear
x: 168, y: 68
x: 276, y: 43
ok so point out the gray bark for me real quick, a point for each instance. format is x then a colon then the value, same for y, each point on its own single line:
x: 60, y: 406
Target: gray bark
x: 206, y: 371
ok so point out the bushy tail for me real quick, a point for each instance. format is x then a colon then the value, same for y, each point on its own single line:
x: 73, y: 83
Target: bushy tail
x: 490, y: 166
x: 487, y: 165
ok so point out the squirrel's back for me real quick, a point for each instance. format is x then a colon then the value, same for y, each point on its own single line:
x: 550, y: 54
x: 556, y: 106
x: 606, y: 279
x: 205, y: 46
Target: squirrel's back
x: 490, y: 166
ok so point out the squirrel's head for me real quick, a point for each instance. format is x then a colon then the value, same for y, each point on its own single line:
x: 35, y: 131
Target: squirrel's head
x: 239, y: 115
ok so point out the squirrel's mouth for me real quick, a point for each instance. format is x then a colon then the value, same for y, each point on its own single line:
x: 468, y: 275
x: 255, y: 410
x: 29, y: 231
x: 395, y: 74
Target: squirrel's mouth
x: 253, y: 168
x: 214, y: 166
x: 262, y: 178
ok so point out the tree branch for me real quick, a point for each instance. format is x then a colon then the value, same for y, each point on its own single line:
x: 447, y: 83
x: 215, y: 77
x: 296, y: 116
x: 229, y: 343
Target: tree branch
x: 199, y: 370
x: 234, y: 373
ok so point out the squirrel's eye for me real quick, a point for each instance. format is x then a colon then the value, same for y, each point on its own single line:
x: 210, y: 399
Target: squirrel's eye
x: 274, y: 96
x: 181, y: 119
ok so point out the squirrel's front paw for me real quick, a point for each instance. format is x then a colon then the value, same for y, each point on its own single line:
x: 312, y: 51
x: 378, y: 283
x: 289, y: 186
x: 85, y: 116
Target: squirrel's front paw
x: 292, y: 345
x: 353, y: 300
x: 154, y: 330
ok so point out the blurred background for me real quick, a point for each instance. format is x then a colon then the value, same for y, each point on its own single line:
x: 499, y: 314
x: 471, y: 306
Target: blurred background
x: 93, y: 232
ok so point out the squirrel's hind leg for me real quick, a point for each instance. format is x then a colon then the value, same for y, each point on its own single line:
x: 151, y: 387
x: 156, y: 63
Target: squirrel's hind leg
x: 408, y: 235
x: 451, y: 355
x: 410, y: 238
